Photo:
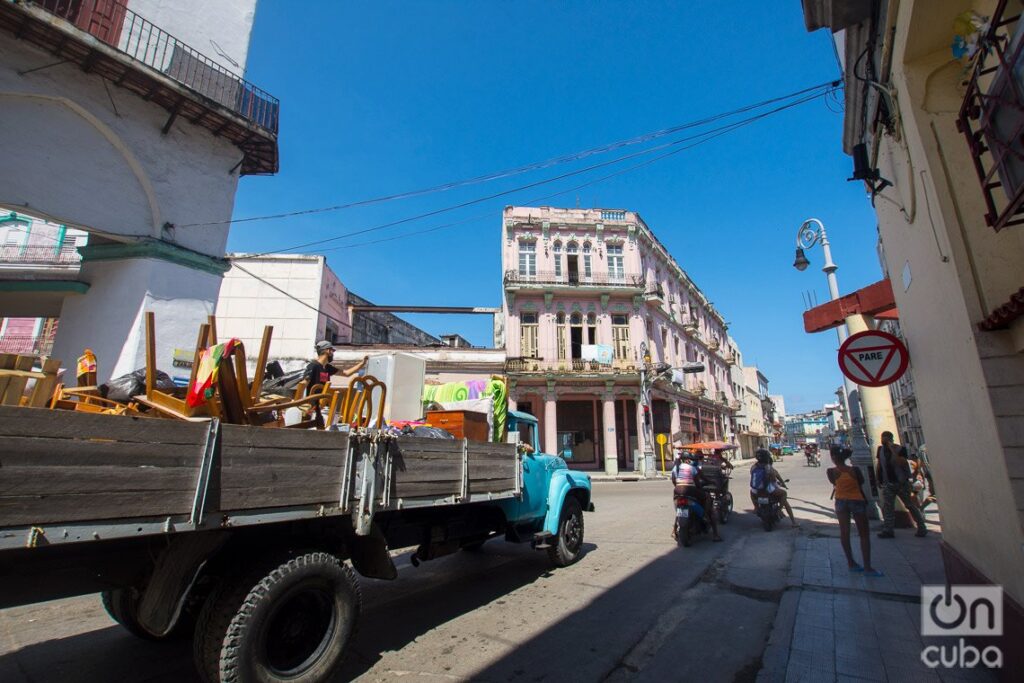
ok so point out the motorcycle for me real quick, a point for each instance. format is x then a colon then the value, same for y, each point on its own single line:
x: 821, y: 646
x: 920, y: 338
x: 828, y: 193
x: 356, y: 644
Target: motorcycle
x: 691, y: 520
x: 813, y: 460
x: 768, y: 509
x: 721, y: 499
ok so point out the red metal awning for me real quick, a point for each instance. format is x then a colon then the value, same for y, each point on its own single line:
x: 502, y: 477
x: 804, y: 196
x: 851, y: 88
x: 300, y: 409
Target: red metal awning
x: 875, y: 300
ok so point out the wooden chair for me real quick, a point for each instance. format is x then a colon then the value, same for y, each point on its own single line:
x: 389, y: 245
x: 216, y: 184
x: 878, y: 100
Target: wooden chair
x: 66, y: 398
x: 15, y: 372
x: 239, y: 402
x: 162, y: 403
x: 357, y: 409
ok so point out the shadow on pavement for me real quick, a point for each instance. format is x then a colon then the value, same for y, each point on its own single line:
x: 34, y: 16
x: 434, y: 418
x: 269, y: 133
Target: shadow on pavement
x: 107, y: 654
x: 395, y: 623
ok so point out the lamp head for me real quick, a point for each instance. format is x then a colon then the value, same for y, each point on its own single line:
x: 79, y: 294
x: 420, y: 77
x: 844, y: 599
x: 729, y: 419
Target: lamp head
x: 801, y: 261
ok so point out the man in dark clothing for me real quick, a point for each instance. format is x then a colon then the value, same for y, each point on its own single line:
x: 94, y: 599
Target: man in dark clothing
x: 320, y: 370
x: 893, y: 475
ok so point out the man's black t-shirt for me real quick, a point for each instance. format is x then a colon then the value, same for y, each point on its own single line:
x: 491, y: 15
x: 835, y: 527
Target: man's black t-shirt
x: 318, y: 373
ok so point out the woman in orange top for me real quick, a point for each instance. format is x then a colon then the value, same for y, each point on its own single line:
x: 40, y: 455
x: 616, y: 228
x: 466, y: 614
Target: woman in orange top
x: 851, y: 501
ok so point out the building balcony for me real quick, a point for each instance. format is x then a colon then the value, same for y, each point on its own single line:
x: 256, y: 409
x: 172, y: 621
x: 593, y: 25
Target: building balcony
x: 735, y: 404
x: 548, y: 280
x: 26, y: 345
x: 691, y: 330
x: 729, y: 358
x: 569, y: 367
x: 655, y: 297
x: 16, y: 257
x: 713, y: 345
x: 106, y: 38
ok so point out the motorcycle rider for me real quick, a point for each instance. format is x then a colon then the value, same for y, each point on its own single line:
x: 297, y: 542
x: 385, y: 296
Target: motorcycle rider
x: 687, y: 481
x: 764, y: 477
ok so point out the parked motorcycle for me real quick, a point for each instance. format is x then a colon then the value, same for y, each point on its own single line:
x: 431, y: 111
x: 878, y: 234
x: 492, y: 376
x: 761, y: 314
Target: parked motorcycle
x: 691, y: 520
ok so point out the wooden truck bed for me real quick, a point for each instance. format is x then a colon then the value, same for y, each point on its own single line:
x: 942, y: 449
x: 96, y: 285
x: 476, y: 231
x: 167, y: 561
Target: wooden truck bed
x: 73, y: 477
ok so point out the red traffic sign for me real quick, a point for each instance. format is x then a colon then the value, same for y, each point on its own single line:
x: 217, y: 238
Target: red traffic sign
x: 873, y: 358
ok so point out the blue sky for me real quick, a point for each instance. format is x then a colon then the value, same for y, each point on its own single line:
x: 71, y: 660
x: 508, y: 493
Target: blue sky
x: 381, y: 97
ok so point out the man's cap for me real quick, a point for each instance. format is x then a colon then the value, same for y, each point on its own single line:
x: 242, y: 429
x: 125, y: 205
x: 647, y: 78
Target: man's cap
x: 323, y: 345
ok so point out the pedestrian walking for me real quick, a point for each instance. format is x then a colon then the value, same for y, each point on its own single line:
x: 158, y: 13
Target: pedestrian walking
x: 892, y: 471
x: 850, y: 501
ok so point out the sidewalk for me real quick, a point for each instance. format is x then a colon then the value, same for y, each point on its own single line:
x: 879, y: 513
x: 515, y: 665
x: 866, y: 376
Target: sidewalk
x: 834, y: 625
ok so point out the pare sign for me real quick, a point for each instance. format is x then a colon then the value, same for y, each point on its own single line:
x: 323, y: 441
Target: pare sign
x: 873, y: 358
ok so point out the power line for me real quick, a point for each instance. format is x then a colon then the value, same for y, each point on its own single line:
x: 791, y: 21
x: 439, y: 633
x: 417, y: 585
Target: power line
x: 706, y: 135
x: 554, y: 161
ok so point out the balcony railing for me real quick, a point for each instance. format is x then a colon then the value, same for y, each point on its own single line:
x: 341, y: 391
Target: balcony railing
x: 569, y: 366
x: 549, y: 278
x: 992, y: 119
x: 116, y: 25
x: 24, y: 344
x: 14, y: 255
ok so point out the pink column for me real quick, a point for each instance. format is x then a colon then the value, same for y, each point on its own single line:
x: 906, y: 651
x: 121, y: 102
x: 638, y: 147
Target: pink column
x: 611, y: 456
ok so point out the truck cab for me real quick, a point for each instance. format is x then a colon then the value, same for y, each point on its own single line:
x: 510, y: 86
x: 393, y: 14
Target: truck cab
x: 549, y: 511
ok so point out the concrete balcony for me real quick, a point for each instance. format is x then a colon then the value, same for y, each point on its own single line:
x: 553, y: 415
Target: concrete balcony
x: 655, y: 297
x: 564, y: 282
x: 735, y: 404
x: 570, y: 367
x: 691, y: 330
x: 110, y: 40
x: 35, y: 280
x: 713, y: 345
x: 729, y: 358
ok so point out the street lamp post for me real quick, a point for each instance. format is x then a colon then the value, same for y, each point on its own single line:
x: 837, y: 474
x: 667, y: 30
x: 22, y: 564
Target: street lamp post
x: 649, y: 374
x: 811, y: 232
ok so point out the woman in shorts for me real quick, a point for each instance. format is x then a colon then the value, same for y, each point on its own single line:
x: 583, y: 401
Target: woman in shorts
x: 851, y: 502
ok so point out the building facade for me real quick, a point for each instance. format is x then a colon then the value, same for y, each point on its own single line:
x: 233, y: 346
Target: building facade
x: 756, y: 425
x: 305, y: 302
x: 114, y: 122
x: 587, y: 291
x: 941, y: 126
x: 33, y: 251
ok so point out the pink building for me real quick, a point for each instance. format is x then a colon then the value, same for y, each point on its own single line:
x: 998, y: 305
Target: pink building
x: 583, y: 289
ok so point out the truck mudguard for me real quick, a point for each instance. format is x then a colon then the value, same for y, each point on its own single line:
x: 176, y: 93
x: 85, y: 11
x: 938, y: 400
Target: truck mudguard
x: 563, y: 481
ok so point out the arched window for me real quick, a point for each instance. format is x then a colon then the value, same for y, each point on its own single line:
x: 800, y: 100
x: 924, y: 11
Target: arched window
x: 560, y: 317
x: 586, y: 261
x: 558, y: 259
x: 572, y: 248
x: 591, y: 318
x: 576, y: 318
x: 560, y: 334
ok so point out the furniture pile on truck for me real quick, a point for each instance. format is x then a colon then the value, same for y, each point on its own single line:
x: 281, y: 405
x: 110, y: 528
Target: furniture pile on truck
x: 217, y: 522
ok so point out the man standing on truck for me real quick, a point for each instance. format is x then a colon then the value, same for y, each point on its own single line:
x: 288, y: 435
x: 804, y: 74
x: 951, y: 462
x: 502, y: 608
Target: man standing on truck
x: 320, y: 370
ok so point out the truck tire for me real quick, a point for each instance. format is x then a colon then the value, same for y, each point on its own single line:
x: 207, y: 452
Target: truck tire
x: 122, y: 605
x: 288, y: 622
x: 568, y: 547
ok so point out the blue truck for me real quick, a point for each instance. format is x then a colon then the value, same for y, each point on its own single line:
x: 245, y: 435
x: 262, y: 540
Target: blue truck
x: 248, y: 540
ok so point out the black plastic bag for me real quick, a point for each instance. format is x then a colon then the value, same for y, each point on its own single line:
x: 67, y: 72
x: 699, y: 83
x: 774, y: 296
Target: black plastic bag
x: 123, y: 388
x: 285, y: 384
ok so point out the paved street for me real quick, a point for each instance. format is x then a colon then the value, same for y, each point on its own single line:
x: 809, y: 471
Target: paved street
x: 625, y: 611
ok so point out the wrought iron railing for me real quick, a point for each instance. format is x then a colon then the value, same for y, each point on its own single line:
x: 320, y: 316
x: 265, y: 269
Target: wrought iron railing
x: 568, y: 366
x: 25, y: 344
x: 630, y: 280
x: 115, y: 24
x: 38, y: 256
x: 992, y: 119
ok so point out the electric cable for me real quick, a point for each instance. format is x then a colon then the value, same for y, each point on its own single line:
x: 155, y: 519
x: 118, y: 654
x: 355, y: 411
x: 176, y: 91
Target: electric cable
x: 547, y: 163
x: 715, y: 132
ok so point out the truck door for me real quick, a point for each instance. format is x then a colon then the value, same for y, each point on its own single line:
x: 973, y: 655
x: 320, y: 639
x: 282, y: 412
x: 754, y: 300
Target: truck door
x: 535, y: 476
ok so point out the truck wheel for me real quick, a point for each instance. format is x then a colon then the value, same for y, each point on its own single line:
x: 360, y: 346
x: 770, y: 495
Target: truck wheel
x: 569, y: 546
x: 291, y: 623
x: 122, y: 605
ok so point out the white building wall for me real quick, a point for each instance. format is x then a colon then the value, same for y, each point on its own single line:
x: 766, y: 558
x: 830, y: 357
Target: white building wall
x: 70, y: 158
x: 246, y: 304
x: 220, y: 29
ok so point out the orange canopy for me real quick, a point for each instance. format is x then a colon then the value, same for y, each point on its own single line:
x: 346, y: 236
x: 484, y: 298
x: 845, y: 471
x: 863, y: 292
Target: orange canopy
x: 710, y: 446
